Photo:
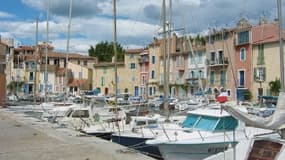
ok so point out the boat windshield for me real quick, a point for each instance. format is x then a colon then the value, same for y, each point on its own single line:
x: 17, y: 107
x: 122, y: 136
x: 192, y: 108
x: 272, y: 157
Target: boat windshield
x: 208, y: 123
x: 80, y: 114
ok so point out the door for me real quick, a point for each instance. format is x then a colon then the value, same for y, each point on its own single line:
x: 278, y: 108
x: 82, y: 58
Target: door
x: 136, y: 91
x: 106, y: 91
x: 241, y: 78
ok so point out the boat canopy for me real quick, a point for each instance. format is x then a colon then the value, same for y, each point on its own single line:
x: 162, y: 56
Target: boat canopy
x: 275, y: 122
x: 208, y: 123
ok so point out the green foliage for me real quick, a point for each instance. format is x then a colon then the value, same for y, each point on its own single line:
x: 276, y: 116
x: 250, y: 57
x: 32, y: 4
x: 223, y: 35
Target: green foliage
x: 104, y: 51
x: 12, y: 86
x: 275, y: 87
x: 247, y: 95
x: 126, y: 90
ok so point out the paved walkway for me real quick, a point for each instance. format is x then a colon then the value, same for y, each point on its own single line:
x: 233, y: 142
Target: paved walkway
x: 26, y: 138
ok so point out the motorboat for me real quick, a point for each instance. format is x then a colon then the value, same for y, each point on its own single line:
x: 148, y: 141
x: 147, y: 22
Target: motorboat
x: 204, y: 132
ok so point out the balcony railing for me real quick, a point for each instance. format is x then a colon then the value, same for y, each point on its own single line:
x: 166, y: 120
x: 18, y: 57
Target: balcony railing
x: 218, y: 62
x: 143, y: 60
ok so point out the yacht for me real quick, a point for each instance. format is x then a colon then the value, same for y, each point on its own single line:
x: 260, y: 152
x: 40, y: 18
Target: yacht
x: 269, y: 146
x: 204, y: 132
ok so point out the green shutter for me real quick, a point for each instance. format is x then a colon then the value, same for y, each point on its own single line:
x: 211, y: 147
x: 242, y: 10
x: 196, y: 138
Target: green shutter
x: 254, y: 75
x: 264, y: 74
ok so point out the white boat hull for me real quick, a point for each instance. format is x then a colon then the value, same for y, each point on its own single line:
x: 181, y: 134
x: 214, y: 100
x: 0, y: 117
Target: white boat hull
x: 192, y: 151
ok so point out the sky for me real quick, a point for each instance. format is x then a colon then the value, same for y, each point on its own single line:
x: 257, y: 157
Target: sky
x: 138, y: 21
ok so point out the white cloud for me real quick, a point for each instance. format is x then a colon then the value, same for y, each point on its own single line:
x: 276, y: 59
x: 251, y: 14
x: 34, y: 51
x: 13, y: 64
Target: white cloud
x: 6, y: 15
x: 137, y: 20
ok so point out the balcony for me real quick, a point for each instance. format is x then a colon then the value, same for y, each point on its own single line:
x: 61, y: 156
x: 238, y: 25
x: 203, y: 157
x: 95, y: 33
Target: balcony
x: 192, y: 80
x: 144, y: 60
x: 218, y: 62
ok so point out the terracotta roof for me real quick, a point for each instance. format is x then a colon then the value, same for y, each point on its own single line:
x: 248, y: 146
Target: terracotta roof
x: 70, y: 55
x: 145, y: 52
x: 265, y: 33
x: 132, y: 51
x: 77, y: 82
x: 108, y: 64
x: 25, y: 48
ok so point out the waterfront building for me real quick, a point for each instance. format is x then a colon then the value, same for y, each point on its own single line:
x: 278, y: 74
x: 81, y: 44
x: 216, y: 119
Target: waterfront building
x: 266, y: 57
x: 243, y: 59
x: 144, y: 61
x: 221, y: 61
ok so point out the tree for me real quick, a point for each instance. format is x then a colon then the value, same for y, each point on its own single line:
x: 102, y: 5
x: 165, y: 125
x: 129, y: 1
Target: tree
x: 247, y: 95
x: 275, y: 87
x: 104, y: 51
x: 13, y: 86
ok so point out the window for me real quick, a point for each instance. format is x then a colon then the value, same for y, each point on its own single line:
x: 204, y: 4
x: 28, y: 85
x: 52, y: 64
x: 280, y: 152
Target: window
x: 102, y: 81
x: 242, y: 54
x: 222, y: 77
x: 27, y: 65
x: 200, y: 57
x: 259, y: 74
x: 226, y: 35
x: 260, y: 56
x: 132, y: 56
x: 31, y: 76
x: 201, y: 74
x: 153, y: 59
x: 212, y: 77
x: 150, y: 91
x: 132, y: 66
x: 143, y: 79
x: 153, y: 88
x: 192, y: 74
x: 221, y: 56
x: 152, y: 74
x: 212, y: 57
x: 243, y: 37
x: 78, y: 62
x: 85, y: 63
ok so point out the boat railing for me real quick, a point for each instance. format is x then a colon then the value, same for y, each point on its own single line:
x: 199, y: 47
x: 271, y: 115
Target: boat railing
x: 200, y: 135
x: 164, y: 131
x: 264, y: 134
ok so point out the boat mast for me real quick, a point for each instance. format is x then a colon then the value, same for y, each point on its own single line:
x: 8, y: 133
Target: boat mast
x: 115, y: 51
x: 36, y: 60
x: 46, y: 50
x: 67, y: 50
x: 169, y: 46
x: 165, y: 84
x: 281, y: 45
x: 282, y: 131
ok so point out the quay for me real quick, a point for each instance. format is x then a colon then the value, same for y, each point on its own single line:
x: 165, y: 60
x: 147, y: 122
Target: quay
x: 24, y: 137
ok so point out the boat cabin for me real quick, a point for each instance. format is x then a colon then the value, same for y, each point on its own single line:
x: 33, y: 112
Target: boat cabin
x: 208, y: 122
